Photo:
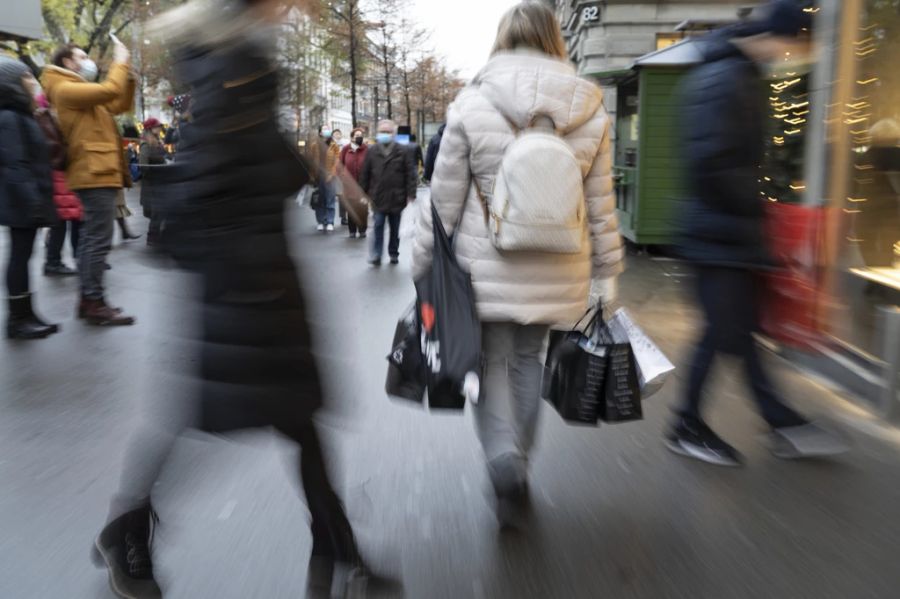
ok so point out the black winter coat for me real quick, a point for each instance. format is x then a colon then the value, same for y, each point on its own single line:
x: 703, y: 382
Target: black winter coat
x: 389, y: 177
x: 722, y: 131
x: 434, y: 146
x: 152, y: 158
x: 226, y: 202
x: 26, y: 179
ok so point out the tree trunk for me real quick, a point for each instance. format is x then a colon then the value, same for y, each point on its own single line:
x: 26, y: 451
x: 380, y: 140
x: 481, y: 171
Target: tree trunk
x: 353, y: 73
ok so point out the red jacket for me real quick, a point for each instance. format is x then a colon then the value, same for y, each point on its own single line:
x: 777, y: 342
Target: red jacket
x: 353, y: 159
x: 352, y: 163
x: 68, y: 206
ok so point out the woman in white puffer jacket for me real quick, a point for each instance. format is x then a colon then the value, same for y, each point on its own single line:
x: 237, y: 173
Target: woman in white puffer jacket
x: 520, y: 295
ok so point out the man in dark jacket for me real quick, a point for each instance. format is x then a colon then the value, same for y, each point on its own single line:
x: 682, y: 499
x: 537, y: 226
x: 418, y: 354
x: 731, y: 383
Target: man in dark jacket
x: 434, y: 146
x: 722, y: 234
x: 389, y: 180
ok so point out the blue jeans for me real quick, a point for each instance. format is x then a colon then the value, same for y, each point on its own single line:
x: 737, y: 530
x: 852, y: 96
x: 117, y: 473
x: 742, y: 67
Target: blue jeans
x: 393, y: 218
x: 325, y: 211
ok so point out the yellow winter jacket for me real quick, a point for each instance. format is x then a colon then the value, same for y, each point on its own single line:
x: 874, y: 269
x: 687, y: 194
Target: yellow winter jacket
x: 85, y: 111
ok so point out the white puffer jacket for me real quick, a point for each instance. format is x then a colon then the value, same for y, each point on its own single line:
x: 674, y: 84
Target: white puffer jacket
x: 526, y: 288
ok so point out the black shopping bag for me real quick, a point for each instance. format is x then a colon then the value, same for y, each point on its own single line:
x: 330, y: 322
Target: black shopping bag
x: 622, y: 391
x: 574, y: 374
x: 573, y: 378
x: 406, y: 366
x: 451, y: 332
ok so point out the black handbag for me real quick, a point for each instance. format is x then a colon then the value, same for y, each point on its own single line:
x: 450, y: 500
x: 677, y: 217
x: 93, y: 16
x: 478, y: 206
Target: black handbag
x: 406, y: 366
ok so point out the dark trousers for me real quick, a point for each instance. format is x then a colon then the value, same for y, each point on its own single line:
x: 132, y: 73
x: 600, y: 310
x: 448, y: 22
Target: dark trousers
x: 392, y: 218
x: 259, y: 337
x: 20, y: 248
x: 57, y: 237
x: 729, y: 298
x: 96, y: 238
x: 359, y: 227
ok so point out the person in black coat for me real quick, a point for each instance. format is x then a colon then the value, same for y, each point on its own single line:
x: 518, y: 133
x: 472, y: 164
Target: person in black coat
x: 722, y: 234
x: 389, y: 180
x: 224, y: 208
x: 26, y: 192
x: 434, y: 146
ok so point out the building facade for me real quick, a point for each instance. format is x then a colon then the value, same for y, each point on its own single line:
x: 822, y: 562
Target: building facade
x: 607, y: 36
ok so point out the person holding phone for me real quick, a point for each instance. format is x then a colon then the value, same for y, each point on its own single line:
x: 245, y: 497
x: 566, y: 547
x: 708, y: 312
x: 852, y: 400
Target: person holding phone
x: 96, y: 169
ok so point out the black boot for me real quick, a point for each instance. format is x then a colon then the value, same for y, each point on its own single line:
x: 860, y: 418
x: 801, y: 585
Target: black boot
x: 126, y: 233
x: 123, y: 547
x: 339, y: 572
x: 54, y: 328
x: 21, y: 322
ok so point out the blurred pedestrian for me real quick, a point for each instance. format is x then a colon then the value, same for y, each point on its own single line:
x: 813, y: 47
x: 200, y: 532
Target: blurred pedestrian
x: 122, y: 212
x: 519, y: 295
x: 26, y: 193
x: 96, y: 168
x: 416, y: 150
x: 152, y: 157
x: 257, y: 364
x: 181, y: 108
x: 389, y: 180
x: 353, y: 156
x: 327, y: 156
x: 338, y: 136
x: 434, y: 146
x: 722, y: 233
x: 68, y: 206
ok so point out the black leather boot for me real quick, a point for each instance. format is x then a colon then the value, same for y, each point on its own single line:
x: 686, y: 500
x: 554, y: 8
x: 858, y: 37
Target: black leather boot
x: 21, y: 323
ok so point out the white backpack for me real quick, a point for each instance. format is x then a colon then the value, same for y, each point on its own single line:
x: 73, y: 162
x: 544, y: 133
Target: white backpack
x: 537, y: 203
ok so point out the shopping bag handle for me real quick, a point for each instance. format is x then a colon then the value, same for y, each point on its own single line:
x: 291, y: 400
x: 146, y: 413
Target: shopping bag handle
x: 592, y: 323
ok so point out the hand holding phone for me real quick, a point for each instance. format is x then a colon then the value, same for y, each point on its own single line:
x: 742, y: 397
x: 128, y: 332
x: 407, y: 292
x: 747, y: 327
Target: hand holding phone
x: 120, y: 52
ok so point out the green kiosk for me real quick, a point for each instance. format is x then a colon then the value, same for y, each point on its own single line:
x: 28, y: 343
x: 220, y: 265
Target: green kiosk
x: 646, y: 164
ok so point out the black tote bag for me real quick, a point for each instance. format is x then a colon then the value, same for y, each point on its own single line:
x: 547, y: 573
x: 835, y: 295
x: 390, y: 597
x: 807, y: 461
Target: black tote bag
x: 451, y: 331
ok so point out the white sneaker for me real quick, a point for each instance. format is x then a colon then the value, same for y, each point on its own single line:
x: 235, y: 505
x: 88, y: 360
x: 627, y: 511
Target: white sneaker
x: 330, y: 228
x: 320, y: 227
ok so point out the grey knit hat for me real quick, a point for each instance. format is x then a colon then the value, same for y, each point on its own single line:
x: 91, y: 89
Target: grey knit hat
x: 12, y: 93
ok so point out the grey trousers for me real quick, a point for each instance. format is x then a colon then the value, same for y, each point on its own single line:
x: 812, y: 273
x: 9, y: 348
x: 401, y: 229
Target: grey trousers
x: 507, y: 413
x: 96, y: 238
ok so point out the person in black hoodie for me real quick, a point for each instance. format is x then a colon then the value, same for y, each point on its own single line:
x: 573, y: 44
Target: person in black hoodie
x: 434, y: 146
x: 722, y: 234
x: 224, y: 208
x: 26, y: 192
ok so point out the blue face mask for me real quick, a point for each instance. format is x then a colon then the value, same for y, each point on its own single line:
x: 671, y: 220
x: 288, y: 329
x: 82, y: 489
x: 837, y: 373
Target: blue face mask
x: 326, y: 133
x: 384, y: 138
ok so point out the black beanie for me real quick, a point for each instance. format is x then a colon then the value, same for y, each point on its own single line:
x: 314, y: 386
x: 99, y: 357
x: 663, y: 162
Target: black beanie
x: 786, y: 18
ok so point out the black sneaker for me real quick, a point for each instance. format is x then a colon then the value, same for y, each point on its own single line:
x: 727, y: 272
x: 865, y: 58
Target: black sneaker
x: 59, y: 270
x: 694, y: 439
x: 375, y: 261
x: 395, y: 260
x: 123, y: 547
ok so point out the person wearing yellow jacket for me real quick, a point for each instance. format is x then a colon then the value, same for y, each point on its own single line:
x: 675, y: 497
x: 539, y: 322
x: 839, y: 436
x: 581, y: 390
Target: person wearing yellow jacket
x: 96, y: 168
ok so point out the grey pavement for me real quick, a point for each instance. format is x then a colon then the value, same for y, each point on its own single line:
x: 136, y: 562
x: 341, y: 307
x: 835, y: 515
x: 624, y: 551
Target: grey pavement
x: 616, y: 515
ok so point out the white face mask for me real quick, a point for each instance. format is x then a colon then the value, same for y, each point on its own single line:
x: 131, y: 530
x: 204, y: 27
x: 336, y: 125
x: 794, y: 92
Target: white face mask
x: 88, y: 69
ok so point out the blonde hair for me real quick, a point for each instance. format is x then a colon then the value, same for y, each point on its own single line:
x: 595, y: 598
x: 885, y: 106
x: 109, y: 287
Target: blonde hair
x: 530, y: 25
